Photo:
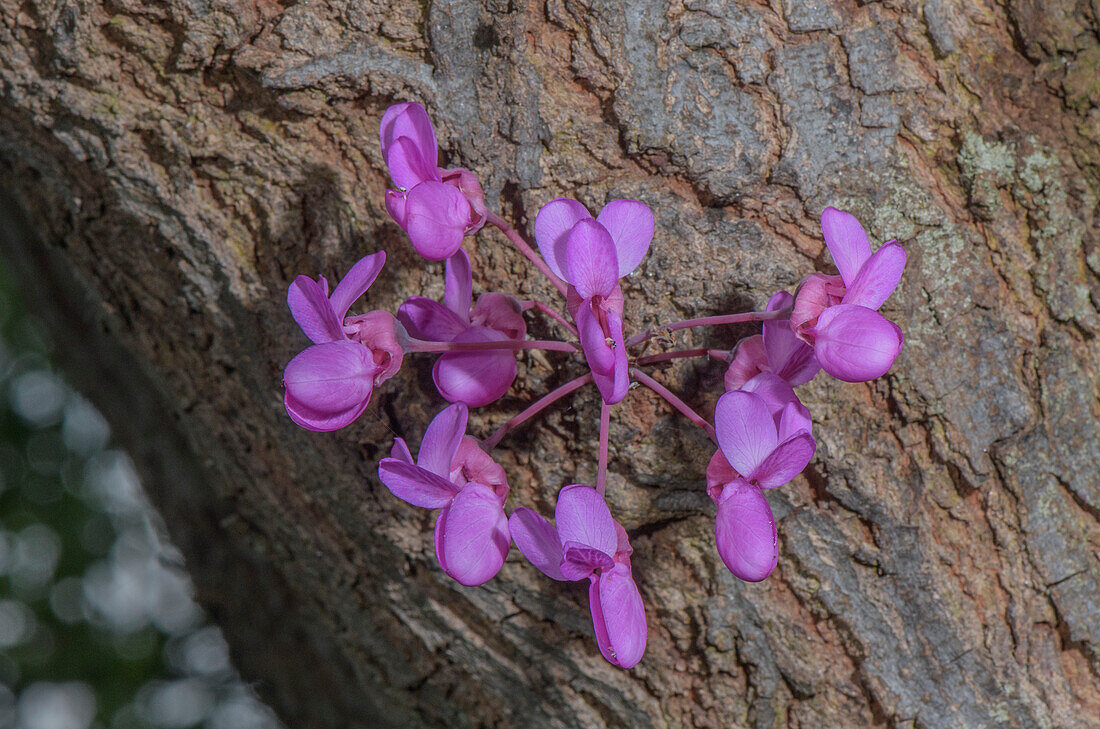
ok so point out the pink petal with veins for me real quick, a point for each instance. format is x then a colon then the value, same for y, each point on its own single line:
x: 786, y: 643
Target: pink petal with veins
x: 441, y: 440
x: 471, y: 536
x: 745, y: 429
x: 856, y: 344
x: 630, y: 224
x: 458, y: 285
x: 745, y: 532
x: 415, y: 485
x: 411, y: 121
x: 749, y: 359
x: 430, y: 320
x: 785, y: 462
x: 356, y: 282
x: 878, y: 277
x: 310, y: 307
x: 591, y: 264
x: 538, y: 540
x: 847, y: 242
x: 475, y: 378
x: 582, y: 516
x: 328, y: 385
x: 436, y: 216
x: 552, y: 226
x: 618, y: 616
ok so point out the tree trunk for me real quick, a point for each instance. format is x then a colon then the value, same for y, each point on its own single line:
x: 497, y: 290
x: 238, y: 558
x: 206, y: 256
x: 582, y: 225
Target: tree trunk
x: 181, y: 162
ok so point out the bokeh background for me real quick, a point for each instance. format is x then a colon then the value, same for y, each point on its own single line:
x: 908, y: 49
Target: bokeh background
x: 98, y: 625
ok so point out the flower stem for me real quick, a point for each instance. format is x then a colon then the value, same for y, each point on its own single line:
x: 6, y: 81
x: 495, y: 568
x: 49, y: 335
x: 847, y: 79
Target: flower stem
x: 605, y: 427
x: 680, y: 353
x: 526, y: 249
x: 708, y: 321
x: 674, y: 401
x: 535, y: 408
x: 539, y: 306
x: 421, y: 345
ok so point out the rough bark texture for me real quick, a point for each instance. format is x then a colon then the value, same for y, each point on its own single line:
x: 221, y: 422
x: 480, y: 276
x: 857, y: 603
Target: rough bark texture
x: 182, y: 161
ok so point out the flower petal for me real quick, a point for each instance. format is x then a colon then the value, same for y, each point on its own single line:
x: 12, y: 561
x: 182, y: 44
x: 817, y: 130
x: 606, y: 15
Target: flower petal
x: 328, y: 385
x: 854, y: 343
x: 618, y: 616
x: 400, y: 451
x: 471, y: 536
x: 538, y: 540
x: 500, y: 312
x: 775, y: 391
x: 310, y: 307
x: 788, y: 356
x: 397, y: 207
x: 356, y: 283
x: 794, y: 419
x: 719, y: 473
x: 591, y: 263
x: 431, y: 320
x: 745, y: 428
x: 471, y: 463
x: 630, y: 224
x: 847, y: 242
x: 582, y: 516
x: 552, y: 226
x: 597, y: 351
x: 468, y: 184
x: 745, y: 532
x: 878, y: 277
x: 415, y: 485
x: 749, y: 359
x: 815, y: 293
x: 441, y: 439
x: 579, y: 561
x: 384, y: 336
x: 475, y: 378
x: 408, y: 167
x: 458, y: 286
x: 614, y: 385
x: 436, y: 216
x: 409, y: 119
x: 785, y: 462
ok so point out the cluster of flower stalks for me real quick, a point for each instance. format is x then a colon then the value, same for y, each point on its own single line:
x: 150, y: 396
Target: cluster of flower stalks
x: 762, y: 431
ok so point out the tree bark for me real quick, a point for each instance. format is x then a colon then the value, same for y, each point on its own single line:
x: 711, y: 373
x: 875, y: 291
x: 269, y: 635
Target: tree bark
x: 176, y: 164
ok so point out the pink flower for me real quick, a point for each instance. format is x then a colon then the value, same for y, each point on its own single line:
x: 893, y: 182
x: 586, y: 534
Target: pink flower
x: 473, y: 378
x: 777, y: 350
x: 435, y: 207
x: 329, y: 384
x: 591, y: 256
x: 838, y: 315
x: 764, y: 440
x: 453, y: 474
x: 588, y: 543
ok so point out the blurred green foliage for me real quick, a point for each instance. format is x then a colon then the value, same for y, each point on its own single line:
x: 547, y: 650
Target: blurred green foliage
x: 98, y: 627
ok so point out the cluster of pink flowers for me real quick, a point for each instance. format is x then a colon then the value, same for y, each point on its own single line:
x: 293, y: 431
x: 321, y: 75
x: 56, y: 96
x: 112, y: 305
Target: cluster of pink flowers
x: 762, y: 431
